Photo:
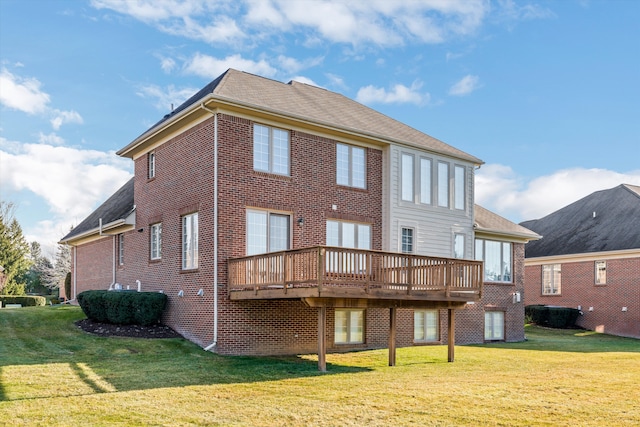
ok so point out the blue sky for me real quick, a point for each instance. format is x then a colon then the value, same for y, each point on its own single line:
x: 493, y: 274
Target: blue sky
x: 547, y: 93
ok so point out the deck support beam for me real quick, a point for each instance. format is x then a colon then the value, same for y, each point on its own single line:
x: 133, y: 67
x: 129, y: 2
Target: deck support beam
x: 392, y: 336
x: 452, y: 334
x: 322, y: 340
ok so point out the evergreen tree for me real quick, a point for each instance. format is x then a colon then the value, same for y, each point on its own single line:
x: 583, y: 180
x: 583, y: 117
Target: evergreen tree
x: 14, y: 251
x: 62, y: 264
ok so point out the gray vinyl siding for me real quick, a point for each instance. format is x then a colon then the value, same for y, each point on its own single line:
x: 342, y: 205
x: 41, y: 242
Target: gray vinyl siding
x: 434, y: 226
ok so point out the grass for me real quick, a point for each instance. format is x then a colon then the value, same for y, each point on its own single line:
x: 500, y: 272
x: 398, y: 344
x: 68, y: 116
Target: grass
x: 51, y: 373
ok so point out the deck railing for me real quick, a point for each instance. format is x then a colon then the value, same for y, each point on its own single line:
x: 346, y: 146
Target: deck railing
x: 324, y: 267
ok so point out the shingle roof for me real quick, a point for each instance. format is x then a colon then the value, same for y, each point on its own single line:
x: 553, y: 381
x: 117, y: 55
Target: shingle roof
x: 314, y: 104
x: 490, y: 222
x: 116, y: 207
x: 606, y: 220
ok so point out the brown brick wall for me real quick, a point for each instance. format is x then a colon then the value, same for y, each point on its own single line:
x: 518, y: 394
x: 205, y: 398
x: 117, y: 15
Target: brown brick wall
x: 578, y: 288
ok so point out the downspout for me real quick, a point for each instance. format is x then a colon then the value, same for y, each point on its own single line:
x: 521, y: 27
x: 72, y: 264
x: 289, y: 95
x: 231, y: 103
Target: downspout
x: 113, y: 273
x: 215, y: 228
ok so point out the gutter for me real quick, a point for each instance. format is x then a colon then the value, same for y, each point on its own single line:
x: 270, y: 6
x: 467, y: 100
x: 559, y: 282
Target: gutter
x: 215, y: 228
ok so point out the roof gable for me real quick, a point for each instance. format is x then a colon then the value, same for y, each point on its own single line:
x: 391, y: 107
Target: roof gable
x: 606, y: 220
x: 488, y: 222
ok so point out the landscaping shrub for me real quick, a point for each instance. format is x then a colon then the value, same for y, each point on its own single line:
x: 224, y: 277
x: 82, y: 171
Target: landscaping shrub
x: 24, y: 300
x: 555, y: 317
x: 123, y: 307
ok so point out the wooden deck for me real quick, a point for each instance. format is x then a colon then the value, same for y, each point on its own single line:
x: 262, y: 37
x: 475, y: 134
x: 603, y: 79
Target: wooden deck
x: 323, y: 273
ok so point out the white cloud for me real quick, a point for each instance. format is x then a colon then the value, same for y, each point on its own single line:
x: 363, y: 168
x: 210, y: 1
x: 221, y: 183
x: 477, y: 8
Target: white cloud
x: 70, y: 181
x: 211, y: 67
x: 62, y: 117
x: 50, y: 139
x: 167, y: 65
x: 398, y: 94
x: 292, y: 65
x: 164, y: 98
x: 501, y: 190
x: 465, y: 86
x: 23, y: 94
x: 305, y: 80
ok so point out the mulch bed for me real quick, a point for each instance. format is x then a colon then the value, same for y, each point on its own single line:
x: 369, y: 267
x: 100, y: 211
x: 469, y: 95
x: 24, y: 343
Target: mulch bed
x: 132, y: 331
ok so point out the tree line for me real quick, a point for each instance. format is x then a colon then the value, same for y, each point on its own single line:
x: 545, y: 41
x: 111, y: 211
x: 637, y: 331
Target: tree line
x: 23, y: 267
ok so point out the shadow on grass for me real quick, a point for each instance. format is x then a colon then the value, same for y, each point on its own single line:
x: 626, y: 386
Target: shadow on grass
x: 571, y: 341
x: 124, y: 364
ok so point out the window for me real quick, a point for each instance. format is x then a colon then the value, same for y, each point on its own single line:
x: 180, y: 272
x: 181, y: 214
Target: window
x: 458, y: 245
x: 190, y: 241
x: 350, y: 166
x: 425, y: 181
x: 407, y: 177
x: 270, y: 150
x: 494, y: 325
x: 601, y: 272
x: 349, y: 327
x: 458, y: 187
x: 347, y: 235
x: 267, y: 232
x: 443, y: 184
x: 407, y: 240
x: 156, y: 241
x: 551, y: 279
x: 151, y: 165
x: 120, y: 249
x: 497, y: 260
x: 425, y: 325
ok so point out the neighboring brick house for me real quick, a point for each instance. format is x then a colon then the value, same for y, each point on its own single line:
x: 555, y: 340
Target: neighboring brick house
x: 285, y: 218
x: 589, y: 259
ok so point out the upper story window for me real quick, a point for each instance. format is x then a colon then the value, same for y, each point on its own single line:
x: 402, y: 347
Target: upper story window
x: 151, y: 165
x: 551, y: 279
x: 120, y: 249
x: 267, y: 232
x: 443, y: 184
x: 425, y: 180
x: 270, y: 150
x: 350, y: 166
x: 459, y: 178
x: 458, y: 245
x: 155, y: 243
x: 497, y: 260
x: 407, y: 177
x: 601, y: 272
x: 348, y: 234
x: 407, y: 240
x: 190, y: 241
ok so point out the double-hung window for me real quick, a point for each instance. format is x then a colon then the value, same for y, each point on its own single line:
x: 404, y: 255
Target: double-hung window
x: 190, y: 241
x: 349, y: 326
x: 267, y: 232
x: 425, y: 325
x: 601, y: 272
x: 497, y: 260
x: 121, y: 249
x: 407, y: 240
x: 151, y: 165
x: 350, y: 166
x: 156, y: 241
x: 270, y: 150
x: 458, y: 245
x: 551, y: 279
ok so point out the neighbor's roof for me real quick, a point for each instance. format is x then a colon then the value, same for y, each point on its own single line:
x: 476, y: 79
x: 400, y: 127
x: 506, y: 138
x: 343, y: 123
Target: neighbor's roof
x: 491, y: 223
x: 309, y: 104
x: 117, y: 207
x: 606, y: 220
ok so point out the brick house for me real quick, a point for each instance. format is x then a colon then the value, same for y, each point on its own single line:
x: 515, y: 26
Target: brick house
x: 589, y: 259
x: 286, y: 219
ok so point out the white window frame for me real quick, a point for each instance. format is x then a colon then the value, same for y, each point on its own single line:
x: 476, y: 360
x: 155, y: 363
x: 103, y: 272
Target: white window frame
x: 121, y: 249
x: 356, y: 172
x: 459, y: 187
x: 601, y: 273
x: 407, y: 240
x: 155, y: 241
x: 267, y: 232
x: 552, y: 279
x: 407, y: 174
x: 444, y: 192
x: 506, y: 249
x: 190, y: 241
x: 272, y: 165
x: 459, y: 242
x: 426, y: 180
x: 151, y: 165
x: 494, y: 325
x: 353, y: 334
x: 426, y: 325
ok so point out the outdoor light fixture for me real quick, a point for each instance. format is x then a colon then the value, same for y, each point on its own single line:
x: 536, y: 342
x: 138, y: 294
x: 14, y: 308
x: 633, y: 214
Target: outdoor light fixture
x: 180, y: 293
x: 200, y: 292
x: 300, y: 221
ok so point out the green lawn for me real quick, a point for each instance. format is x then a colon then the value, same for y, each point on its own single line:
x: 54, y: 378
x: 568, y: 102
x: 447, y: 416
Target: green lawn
x: 51, y: 373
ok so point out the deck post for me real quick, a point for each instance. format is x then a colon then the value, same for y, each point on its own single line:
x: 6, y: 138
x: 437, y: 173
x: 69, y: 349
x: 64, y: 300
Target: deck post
x: 392, y: 336
x: 322, y: 343
x: 452, y: 334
